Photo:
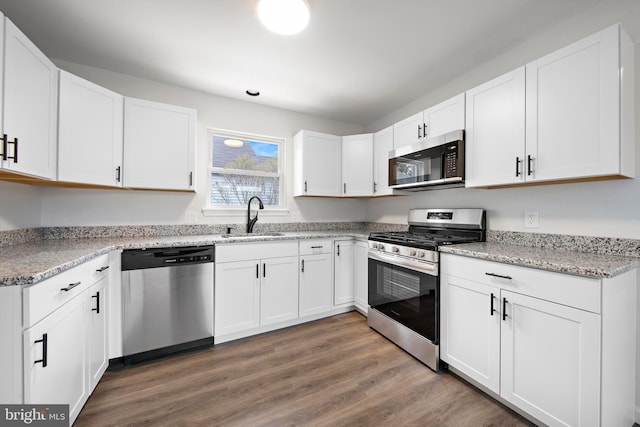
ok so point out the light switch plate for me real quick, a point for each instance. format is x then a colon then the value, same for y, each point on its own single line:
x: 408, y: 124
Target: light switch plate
x: 190, y: 217
x: 531, y: 219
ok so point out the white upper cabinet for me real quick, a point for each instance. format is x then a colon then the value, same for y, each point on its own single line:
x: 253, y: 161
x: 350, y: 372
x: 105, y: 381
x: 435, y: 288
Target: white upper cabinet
x: 444, y: 117
x: 30, y: 93
x: 357, y: 165
x: 567, y: 115
x: 159, y: 146
x: 575, y: 126
x: 317, y: 163
x: 382, y: 144
x: 494, y: 134
x: 90, y: 133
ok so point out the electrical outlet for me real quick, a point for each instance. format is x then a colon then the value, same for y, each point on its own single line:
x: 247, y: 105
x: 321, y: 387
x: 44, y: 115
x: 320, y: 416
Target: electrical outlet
x: 190, y: 217
x: 531, y: 219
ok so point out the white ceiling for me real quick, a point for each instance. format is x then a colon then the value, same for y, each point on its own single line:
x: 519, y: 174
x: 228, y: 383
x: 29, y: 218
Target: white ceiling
x: 357, y: 61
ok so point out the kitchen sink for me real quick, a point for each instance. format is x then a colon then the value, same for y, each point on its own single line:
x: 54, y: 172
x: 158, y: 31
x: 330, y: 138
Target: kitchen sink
x: 265, y: 234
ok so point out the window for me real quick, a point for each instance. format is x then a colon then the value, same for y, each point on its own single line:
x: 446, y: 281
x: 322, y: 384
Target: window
x: 243, y: 166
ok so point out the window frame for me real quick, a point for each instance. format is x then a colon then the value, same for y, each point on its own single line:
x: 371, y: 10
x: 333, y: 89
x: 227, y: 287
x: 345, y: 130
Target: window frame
x: 229, y: 210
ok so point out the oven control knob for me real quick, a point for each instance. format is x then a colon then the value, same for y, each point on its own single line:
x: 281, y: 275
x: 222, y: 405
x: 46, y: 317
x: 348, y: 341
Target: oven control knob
x: 412, y: 253
x: 395, y: 250
x: 421, y: 254
x: 381, y: 246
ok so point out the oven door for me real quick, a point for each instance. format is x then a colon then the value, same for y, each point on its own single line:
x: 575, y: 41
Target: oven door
x: 407, y: 291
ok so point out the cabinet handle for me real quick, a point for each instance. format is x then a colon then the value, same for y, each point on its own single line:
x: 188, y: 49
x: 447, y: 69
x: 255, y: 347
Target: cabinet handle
x: 529, y: 168
x: 317, y: 247
x: 504, y: 309
x: 344, y: 188
x: 338, y: 252
x: 15, y: 150
x: 305, y: 186
x: 4, y: 146
x: 500, y: 276
x: 97, y: 297
x: 118, y: 172
x: 419, y: 130
x: 303, y: 266
x: 424, y: 130
x: 44, y: 342
x: 190, y: 179
x: 101, y: 269
x: 70, y: 286
x: 493, y: 310
x: 257, y: 271
x: 375, y: 187
x: 518, y: 161
x: 264, y: 270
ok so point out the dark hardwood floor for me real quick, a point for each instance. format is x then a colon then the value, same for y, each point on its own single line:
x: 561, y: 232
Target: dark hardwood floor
x: 333, y: 372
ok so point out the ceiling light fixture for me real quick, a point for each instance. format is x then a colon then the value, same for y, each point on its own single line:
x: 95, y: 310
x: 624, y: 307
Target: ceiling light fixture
x: 234, y: 143
x: 284, y: 17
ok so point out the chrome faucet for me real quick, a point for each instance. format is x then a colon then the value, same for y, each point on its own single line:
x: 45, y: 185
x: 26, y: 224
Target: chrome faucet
x: 252, y: 221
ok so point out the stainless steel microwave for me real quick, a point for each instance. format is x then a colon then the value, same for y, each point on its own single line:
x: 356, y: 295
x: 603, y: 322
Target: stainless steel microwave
x: 435, y: 163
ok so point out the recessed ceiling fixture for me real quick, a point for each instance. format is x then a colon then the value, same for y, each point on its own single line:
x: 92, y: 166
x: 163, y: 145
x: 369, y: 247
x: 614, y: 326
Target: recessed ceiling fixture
x: 252, y: 92
x: 284, y: 17
x: 235, y: 143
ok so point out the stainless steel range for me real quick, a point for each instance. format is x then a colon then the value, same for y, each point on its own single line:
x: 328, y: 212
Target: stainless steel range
x: 404, y: 283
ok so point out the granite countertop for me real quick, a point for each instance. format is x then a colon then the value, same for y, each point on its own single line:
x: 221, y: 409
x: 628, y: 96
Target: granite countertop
x: 32, y: 262
x: 562, y: 261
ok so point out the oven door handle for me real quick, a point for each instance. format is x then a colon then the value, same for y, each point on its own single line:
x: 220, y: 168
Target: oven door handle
x: 419, y: 266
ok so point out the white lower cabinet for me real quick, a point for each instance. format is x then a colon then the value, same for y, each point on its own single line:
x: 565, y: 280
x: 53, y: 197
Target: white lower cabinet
x: 55, y: 358
x: 316, y: 282
x: 65, y: 336
x: 343, y: 289
x: 255, y: 285
x: 361, y: 275
x: 541, y: 340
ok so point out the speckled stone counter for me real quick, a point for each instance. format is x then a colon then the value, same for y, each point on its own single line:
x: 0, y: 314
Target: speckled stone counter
x: 36, y: 260
x: 562, y: 261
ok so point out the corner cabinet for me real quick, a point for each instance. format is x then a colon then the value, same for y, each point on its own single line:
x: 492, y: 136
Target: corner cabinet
x: 566, y: 116
x: 317, y: 162
x: 357, y: 165
x: 159, y: 146
x: 558, y: 347
x: 382, y: 144
x: 30, y: 105
x: 343, y: 261
x: 90, y: 139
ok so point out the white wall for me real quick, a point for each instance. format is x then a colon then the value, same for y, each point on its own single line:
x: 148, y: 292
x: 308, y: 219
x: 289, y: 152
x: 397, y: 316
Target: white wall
x: 595, y: 209
x: 62, y: 207
x: 20, y: 206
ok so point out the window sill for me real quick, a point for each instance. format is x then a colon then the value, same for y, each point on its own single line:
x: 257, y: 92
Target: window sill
x: 242, y: 212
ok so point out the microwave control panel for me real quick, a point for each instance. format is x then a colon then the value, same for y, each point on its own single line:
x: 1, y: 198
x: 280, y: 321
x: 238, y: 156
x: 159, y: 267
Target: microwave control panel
x: 451, y: 162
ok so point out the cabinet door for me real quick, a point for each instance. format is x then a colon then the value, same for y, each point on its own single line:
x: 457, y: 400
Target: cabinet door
x: 551, y: 361
x: 470, y: 329
x: 318, y: 164
x: 357, y: 165
x: 237, y: 296
x: 58, y: 339
x: 495, y: 131
x: 408, y: 131
x: 97, y: 338
x: 444, y: 117
x: 90, y: 122
x: 573, y: 109
x: 316, y: 284
x: 279, y: 290
x: 382, y: 144
x: 30, y: 106
x: 343, y: 289
x: 361, y: 275
x: 159, y: 145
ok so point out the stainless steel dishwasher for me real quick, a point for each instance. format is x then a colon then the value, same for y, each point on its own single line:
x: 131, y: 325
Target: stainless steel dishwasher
x: 167, y: 301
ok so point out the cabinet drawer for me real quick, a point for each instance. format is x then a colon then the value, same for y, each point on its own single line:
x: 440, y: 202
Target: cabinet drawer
x: 566, y: 289
x: 44, y: 297
x: 245, y: 251
x: 311, y: 247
